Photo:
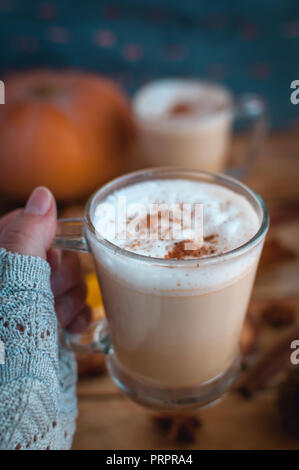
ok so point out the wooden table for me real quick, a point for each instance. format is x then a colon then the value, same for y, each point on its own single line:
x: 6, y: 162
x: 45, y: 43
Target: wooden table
x: 109, y: 420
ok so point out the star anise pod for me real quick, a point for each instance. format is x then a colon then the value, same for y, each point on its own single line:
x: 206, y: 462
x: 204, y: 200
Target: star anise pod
x: 279, y: 314
x: 178, y: 427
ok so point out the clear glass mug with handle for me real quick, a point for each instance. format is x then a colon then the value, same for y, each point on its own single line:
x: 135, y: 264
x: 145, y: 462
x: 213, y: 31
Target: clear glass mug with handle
x: 168, y: 346
x: 184, y: 122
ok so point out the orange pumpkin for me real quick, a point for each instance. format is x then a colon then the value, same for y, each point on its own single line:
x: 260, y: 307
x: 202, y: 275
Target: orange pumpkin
x: 67, y: 130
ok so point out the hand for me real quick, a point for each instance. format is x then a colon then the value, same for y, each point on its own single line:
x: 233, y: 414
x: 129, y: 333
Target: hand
x: 31, y: 231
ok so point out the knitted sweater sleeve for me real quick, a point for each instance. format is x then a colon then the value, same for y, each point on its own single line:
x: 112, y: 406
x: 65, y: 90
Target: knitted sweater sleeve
x: 37, y: 377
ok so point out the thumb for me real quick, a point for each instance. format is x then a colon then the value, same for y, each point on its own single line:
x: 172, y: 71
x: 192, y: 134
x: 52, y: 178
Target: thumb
x: 32, y: 231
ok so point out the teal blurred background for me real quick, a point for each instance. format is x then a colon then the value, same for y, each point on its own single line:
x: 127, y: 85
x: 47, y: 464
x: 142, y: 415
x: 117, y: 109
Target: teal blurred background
x: 250, y: 46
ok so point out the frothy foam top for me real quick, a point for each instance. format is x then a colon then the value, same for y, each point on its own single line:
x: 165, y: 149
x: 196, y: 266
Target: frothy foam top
x: 229, y: 220
x: 180, y: 102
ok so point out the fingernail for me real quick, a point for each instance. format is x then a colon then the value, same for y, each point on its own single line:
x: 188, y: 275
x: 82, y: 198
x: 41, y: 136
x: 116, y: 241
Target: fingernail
x: 39, y: 202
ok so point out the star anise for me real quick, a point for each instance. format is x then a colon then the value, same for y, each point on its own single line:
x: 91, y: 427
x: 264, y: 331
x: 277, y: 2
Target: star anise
x: 178, y: 427
x: 279, y: 314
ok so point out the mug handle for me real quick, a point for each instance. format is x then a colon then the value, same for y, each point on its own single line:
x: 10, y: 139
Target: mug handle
x: 96, y: 339
x: 252, y: 108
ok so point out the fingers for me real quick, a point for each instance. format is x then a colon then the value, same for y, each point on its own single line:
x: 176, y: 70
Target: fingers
x: 69, y: 288
x: 69, y: 305
x: 54, y: 258
x: 67, y: 275
x: 32, y: 230
x: 81, y: 321
x: 8, y: 218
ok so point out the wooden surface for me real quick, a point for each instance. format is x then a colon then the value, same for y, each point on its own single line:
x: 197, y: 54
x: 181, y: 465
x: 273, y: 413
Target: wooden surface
x: 109, y: 420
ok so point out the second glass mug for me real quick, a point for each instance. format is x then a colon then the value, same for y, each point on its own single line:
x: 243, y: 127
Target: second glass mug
x: 198, y: 141
x: 167, y: 348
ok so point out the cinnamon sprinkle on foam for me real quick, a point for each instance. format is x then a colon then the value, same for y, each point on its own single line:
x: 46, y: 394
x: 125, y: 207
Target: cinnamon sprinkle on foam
x: 211, y: 238
x: 155, y: 225
x: 178, y: 251
x: 182, y: 109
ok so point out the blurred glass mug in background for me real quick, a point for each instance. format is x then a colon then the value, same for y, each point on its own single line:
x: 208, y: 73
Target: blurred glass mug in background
x: 173, y: 330
x: 189, y: 123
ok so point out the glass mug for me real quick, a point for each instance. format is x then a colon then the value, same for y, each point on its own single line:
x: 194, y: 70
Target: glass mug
x: 167, y: 348
x: 196, y: 138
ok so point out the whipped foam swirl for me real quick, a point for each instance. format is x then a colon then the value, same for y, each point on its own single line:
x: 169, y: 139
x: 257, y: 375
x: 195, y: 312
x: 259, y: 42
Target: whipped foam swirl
x: 229, y: 220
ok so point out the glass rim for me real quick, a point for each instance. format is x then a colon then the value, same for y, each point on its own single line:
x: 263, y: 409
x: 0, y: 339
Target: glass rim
x: 177, y: 173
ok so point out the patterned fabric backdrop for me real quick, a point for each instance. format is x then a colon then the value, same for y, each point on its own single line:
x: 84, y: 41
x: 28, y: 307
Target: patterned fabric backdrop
x: 250, y: 46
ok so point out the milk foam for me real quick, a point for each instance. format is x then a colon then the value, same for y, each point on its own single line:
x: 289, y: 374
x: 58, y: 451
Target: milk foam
x: 226, y: 215
x: 153, y: 102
